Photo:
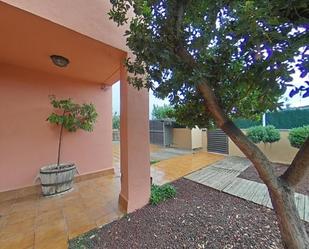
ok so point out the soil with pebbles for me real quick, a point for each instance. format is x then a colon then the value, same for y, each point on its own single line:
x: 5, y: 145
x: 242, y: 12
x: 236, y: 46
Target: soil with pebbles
x: 251, y: 174
x: 199, y: 217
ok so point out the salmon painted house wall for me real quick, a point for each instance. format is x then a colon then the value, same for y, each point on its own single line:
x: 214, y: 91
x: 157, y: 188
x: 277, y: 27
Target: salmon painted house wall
x: 29, y: 142
x: 81, y: 31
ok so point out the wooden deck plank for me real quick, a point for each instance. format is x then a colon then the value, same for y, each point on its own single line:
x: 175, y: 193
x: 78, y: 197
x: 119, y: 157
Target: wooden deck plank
x: 242, y: 188
x: 237, y: 186
x: 210, y: 178
x: 234, y: 185
x: 300, y: 204
x: 224, y: 177
x: 235, y: 182
x: 247, y: 190
x: 224, y: 180
x: 306, y: 211
x: 258, y: 187
x: 213, y: 182
x: 197, y: 176
x: 265, y: 199
x: 259, y: 196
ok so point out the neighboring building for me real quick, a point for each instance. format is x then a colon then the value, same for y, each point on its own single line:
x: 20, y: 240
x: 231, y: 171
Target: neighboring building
x: 32, y: 31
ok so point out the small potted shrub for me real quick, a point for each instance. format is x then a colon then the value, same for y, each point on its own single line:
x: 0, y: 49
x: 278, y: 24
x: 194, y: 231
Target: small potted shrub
x: 58, y: 178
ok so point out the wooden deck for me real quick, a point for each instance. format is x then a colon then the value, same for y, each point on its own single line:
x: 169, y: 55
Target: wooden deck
x: 223, y: 176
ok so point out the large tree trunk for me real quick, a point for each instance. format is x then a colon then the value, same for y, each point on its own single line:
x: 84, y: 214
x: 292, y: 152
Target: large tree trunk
x: 292, y: 229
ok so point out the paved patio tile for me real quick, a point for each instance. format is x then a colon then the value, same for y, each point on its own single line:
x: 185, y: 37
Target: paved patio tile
x: 28, y: 220
x: 47, y: 217
x: 177, y: 167
x: 105, y: 219
x: 59, y: 243
x: 18, y: 241
x: 79, y: 226
x: 48, y: 231
x: 11, y: 230
x: 23, y: 218
x: 8, y: 196
x: 6, y: 207
x: 53, y: 236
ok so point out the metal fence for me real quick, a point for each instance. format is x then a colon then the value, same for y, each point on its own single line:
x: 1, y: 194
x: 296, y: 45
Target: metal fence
x: 116, y: 135
x: 156, y: 129
x: 161, y: 132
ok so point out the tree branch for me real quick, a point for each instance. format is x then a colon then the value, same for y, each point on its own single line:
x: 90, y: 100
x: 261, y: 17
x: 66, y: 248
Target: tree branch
x: 252, y: 152
x: 299, y: 167
x: 260, y: 161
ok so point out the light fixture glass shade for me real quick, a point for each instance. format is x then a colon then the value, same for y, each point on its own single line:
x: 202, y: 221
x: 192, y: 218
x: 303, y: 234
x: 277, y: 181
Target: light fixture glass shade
x: 59, y: 60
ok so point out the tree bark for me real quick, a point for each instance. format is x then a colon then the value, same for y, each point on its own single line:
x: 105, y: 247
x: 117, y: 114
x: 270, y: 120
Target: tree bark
x: 60, y: 141
x: 299, y: 167
x: 59, y: 145
x: 292, y: 229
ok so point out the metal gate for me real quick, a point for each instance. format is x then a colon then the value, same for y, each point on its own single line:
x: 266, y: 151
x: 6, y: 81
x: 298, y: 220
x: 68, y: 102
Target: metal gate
x: 217, y: 141
x: 156, y: 128
x: 161, y: 132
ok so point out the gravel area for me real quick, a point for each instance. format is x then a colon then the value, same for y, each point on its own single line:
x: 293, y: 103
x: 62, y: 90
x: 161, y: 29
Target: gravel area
x: 199, y: 217
x: 251, y: 174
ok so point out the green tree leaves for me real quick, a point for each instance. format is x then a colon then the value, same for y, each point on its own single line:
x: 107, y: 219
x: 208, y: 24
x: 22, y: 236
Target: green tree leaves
x: 71, y: 115
x: 163, y: 112
x: 240, y: 48
x: 116, y: 121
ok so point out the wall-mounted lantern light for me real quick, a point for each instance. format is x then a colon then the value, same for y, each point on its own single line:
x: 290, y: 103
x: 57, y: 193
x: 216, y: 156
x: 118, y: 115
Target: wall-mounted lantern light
x: 59, y: 60
x: 105, y: 87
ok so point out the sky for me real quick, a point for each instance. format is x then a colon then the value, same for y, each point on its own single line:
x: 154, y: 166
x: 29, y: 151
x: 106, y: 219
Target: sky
x: 296, y: 101
x: 152, y: 100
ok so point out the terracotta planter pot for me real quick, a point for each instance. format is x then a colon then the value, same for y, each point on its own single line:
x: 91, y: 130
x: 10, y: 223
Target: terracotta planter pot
x: 57, y: 179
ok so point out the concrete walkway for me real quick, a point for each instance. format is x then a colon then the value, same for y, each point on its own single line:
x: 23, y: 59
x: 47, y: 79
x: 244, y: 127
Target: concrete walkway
x: 167, y: 153
x: 157, y: 153
x: 173, y: 163
x: 223, y: 176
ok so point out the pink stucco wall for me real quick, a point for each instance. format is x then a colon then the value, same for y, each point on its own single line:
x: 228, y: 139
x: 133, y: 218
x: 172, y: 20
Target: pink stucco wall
x: 134, y: 141
x: 33, y: 39
x: 86, y: 17
x: 28, y: 142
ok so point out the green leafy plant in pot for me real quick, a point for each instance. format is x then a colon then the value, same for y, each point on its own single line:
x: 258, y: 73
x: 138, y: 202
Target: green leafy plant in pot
x: 58, y: 178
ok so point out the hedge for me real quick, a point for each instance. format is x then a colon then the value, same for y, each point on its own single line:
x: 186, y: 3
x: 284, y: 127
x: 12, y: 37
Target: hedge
x: 297, y: 136
x: 286, y: 119
x: 265, y: 134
